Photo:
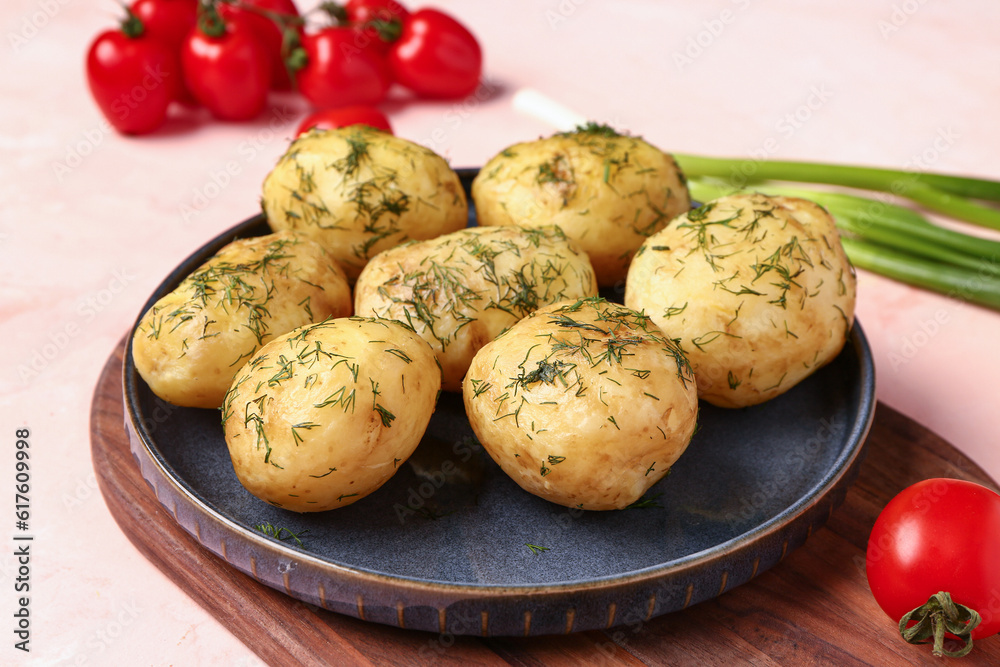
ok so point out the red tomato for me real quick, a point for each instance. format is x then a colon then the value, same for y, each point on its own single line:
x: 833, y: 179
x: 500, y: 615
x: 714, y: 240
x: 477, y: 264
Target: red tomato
x: 389, y: 14
x: 938, y: 535
x: 170, y: 21
x: 269, y: 31
x: 167, y: 20
x: 329, y: 119
x: 338, y: 72
x: 363, y: 11
x: 132, y: 77
x: 228, y: 72
x: 436, y: 56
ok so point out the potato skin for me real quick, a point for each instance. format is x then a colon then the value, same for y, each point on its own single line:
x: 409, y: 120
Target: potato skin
x: 358, y: 191
x: 607, y: 191
x: 459, y: 291
x: 757, y: 289
x: 324, y: 415
x: 585, y: 403
x: 191, y: 343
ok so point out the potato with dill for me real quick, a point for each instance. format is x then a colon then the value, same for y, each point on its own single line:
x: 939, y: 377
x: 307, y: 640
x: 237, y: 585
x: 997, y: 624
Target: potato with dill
x: 459, y: 291
x: 324, y: 415
x: 607, y: 191
x: 757, y: 289
x: 190, y: 343
x: 358, y: 191
x: 586, y: 404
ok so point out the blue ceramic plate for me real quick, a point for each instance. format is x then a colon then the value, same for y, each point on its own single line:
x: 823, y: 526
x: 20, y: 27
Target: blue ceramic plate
x: 451, y: 545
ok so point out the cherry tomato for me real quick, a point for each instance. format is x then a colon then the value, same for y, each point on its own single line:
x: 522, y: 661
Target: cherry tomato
x: 228, y: 71
x: 132, y: 77
x: 269, y: 31
x: 436, y: 56
x: 170, y: 21
x: 938, y: 535
x: 388, y: 15
x: 363, y: 11
x: 329, y: 119
x: 167, y: 20
x: 338, y: 72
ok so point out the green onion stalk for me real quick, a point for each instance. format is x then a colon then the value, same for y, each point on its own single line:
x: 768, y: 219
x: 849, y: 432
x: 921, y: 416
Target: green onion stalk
x: 879, y: 235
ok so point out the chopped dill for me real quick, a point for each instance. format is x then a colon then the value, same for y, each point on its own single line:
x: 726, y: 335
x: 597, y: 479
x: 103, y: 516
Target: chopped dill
x: 280, y: 533
x: 646, y: 502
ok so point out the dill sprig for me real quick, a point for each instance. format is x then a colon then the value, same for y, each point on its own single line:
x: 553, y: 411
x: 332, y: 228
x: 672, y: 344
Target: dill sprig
x: 646, y: 502
x: 593, y: 128
x: 280, y: 533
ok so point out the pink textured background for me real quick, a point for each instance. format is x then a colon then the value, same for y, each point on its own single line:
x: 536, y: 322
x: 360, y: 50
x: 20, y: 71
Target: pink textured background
x: 90, y: 223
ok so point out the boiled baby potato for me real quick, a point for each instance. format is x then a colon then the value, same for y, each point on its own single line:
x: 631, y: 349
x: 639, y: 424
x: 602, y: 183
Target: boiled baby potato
x: 358, y: 191
x: 757, y: 290
x: 607, y: 191
x: 324, y: 415
x: 191, y: 343
x: 584, y: 403
x: 459, y: 291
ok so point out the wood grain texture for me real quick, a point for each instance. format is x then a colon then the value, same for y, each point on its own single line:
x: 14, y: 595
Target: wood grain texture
x: 813, y: 608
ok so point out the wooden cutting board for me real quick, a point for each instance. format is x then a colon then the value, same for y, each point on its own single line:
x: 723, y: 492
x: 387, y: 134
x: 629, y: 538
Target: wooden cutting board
x: 813, y: 608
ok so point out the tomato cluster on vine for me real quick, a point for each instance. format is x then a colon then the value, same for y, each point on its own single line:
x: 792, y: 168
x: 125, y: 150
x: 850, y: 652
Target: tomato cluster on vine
x: 228, y: 55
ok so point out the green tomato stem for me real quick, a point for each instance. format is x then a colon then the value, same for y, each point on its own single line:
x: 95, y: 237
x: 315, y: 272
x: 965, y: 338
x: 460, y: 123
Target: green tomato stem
x: 210, y: 21
x: 934, y: 618
x: 132, y: 26
x: 335, y: 10
x: 388, y: 31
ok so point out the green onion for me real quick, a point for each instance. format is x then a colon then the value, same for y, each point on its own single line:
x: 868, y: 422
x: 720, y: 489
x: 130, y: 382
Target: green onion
x: 896, y: 242
x: 953, y: 281
x: 882, y: 222
x: 937, y: 192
